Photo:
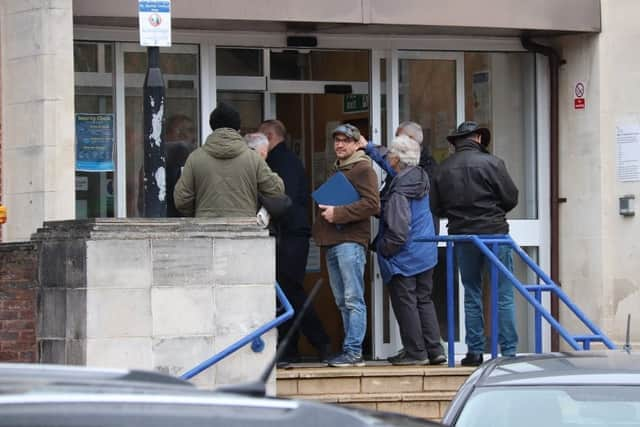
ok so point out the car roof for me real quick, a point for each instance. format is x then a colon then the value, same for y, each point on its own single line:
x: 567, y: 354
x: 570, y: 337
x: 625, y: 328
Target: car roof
x: 569, y: 368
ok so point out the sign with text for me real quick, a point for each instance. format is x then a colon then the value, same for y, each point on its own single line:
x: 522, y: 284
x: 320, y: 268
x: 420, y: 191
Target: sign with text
x: 355, y: 103
x: 94, y: 142
x: 628, y: 157
x: 154, y: 18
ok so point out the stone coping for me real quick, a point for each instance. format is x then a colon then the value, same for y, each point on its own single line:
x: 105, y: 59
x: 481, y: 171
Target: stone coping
x: 144, y: 228
x: 386, y: 370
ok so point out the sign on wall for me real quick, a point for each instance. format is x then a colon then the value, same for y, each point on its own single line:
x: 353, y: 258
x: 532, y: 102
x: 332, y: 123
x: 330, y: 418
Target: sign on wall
x: 154, y: 19
x: 628, y: 156
x: 355, y: 103
x: 580, y: 101
x: 94, y: 142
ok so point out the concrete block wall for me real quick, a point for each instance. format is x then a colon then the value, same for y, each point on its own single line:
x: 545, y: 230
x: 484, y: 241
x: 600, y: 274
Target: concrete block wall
x: 18, y: 296
x: 161, y: 295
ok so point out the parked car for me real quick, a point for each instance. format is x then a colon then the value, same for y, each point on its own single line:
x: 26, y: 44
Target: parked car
x: 54, y: 395
x: 556, y: 389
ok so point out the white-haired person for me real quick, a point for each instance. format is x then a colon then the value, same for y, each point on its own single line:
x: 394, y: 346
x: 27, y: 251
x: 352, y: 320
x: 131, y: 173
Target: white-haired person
x: 407, y: 265
x: 258, y: 142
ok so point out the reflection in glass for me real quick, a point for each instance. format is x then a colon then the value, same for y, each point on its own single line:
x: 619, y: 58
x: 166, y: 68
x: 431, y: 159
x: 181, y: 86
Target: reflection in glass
x: 325, y: 65
x: 94, y: 95
x: 180, y: 70
x: 239, y: 62
x: 250, y: 106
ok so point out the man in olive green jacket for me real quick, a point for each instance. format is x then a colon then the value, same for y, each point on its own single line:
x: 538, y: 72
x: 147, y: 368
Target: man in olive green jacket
x: 223, y: 177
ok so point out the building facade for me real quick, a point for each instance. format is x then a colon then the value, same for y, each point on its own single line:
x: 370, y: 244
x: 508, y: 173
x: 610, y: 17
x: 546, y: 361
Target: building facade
x: 552, y: 80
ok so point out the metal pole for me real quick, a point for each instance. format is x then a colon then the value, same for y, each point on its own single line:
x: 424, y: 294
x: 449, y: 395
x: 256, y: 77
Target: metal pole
x: 155, y: 197
x: 450, y: 312
x: 494, y: 305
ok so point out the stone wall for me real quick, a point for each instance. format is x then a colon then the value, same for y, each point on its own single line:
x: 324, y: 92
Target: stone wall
x: 156, y: 294
x: 18, y: 296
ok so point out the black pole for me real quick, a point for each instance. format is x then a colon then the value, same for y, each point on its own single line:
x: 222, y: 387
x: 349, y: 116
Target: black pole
x: 155, y: 197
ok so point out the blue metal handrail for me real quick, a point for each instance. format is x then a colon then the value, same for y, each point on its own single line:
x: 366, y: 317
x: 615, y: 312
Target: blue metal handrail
x: 525, y: 290
x: 253, y: 337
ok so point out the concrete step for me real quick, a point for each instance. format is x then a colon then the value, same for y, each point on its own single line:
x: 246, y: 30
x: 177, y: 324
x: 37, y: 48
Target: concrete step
x: 423, y: 391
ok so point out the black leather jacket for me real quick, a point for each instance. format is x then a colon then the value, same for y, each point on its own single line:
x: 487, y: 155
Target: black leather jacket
x: 473, y: 189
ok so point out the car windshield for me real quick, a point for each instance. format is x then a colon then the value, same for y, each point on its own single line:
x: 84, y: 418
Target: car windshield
x: 544, y: 406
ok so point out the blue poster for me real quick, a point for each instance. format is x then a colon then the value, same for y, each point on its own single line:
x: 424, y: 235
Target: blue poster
x: 94, y: 142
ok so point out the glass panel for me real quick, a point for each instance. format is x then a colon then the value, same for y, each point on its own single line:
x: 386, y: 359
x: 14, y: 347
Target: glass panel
x: 181, y: 74
x: 239, y: 62
x: 95, y: 130
x: 507, y: 108
x: 383, y: 101
x: 320, y: 65
x: 250, y: 105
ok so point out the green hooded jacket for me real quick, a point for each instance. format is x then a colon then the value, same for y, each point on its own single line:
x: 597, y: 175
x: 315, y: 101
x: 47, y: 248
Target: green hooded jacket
x: 223, y: 178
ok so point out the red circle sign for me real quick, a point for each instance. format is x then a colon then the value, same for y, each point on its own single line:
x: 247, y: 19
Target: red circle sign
x: 579, y: 91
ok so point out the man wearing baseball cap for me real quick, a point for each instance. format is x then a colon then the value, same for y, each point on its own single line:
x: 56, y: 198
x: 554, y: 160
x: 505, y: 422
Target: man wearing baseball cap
x: 473, y: 189
x: 344, y: 232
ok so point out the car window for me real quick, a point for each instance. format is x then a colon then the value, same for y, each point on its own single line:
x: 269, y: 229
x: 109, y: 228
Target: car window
x: 557, y: 406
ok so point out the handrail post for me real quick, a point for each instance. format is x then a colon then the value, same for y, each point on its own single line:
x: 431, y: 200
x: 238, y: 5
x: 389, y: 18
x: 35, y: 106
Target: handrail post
x: 538, y: 322
x: 494, y: 304
x: 450, y: 311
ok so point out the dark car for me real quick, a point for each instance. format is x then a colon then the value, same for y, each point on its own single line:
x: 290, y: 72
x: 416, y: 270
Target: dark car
x: 48, y: 395
x: 555, y: 389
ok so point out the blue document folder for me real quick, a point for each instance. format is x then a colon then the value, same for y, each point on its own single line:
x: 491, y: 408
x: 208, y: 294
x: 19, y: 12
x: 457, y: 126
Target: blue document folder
x: 336, y: 191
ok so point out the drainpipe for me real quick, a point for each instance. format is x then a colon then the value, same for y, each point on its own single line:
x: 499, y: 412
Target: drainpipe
x: 554, y: 66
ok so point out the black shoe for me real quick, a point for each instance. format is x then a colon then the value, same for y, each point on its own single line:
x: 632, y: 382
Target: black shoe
x: 399, y: 355
x: 472, y: 359
x: 437, y: 360
x: 346, y: 360
x: 407, y: 360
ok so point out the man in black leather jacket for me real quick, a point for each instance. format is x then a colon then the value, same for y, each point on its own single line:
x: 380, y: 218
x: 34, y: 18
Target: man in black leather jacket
x: 474, y: 191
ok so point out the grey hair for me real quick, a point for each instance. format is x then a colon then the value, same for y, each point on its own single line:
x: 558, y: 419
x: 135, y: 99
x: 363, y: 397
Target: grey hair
x: 406, y: 148
x: 413, y: 130
x: 256, y: 139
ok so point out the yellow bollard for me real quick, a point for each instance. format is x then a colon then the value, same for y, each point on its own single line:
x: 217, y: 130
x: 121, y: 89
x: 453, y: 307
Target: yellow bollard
x: 3, y: 214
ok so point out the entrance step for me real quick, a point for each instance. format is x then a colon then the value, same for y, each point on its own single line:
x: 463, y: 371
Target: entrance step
x: 420, y: 391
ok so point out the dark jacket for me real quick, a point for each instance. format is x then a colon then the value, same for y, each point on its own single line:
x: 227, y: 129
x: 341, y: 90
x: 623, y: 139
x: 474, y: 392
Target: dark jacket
x: 406, y: 217
x: 223, y: 178
x: 286, y: 164
x: 473, y: 189
x: 352, y: 222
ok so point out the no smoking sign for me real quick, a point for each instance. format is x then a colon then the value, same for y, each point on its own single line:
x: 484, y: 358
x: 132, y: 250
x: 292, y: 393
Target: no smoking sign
x: 579, y: 102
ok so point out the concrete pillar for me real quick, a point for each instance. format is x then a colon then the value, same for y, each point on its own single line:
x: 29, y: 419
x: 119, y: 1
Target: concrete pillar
x: 162, y: 294
x: 38, y: 107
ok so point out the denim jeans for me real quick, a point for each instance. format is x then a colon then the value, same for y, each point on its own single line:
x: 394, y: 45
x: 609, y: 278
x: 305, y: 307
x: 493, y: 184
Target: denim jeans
x: 472, y: 262
x: 345, y: 263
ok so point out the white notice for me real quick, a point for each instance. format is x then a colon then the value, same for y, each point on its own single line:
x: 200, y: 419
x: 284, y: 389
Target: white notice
x: 628, y: 160
x: 154, y: 18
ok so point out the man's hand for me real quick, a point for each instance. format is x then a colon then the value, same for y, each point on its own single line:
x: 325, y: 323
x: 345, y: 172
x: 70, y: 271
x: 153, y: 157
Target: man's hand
x: 362, y: 142
x: 327, y: 213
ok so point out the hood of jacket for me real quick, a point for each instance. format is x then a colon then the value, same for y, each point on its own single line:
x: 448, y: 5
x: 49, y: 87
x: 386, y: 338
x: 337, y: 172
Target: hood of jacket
x: 225, y: 143
x: 358, y: 156
x: 412, y: 182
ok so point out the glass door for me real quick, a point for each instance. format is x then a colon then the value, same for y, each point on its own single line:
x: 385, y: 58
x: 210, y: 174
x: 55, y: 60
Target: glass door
x: 439, y: 90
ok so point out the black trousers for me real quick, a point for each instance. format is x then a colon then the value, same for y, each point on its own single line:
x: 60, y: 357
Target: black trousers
x: 416, y: 314
x: 291, y: 262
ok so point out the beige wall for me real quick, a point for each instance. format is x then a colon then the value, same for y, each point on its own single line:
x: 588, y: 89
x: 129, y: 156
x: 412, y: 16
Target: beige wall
x: 37, y: 105
x: 572, y: 15
x: 599, y: 249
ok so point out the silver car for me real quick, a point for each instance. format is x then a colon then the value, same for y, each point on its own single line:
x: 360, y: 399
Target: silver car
x: 557, y: 389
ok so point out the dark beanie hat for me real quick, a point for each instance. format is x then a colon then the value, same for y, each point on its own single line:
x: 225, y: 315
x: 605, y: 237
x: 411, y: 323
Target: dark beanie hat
x: 224, y: 116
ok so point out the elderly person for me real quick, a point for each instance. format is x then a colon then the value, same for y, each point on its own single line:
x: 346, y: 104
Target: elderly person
x: 258, y: 142
x: 407, y: 265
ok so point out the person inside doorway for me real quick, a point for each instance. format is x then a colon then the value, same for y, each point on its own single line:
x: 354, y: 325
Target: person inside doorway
x: 344, y: 232
x: 292, y: 231
x: 474, y: 191
x: 180, y: 141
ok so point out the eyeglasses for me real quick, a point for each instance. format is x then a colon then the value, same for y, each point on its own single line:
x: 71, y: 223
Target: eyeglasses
x: 341, y: 140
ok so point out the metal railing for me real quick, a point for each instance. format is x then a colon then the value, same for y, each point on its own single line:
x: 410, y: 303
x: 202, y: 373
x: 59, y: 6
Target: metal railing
x: 483, y: 242
x: 254, y: 338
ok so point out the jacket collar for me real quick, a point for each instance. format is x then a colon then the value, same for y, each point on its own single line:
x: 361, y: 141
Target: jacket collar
x: 469, y: 145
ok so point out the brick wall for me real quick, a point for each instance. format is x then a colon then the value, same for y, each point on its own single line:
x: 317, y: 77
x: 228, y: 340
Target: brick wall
x: 18, y: 302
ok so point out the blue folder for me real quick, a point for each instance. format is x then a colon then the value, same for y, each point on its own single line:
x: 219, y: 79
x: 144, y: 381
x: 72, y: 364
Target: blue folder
x: 336, y: 191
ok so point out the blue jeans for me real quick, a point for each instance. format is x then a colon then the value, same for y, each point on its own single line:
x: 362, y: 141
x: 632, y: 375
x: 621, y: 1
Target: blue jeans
x: 471, y: 263
x: 345, y: 263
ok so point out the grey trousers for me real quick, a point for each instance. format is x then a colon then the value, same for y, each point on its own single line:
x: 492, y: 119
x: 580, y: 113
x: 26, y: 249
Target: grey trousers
x: 416, y: 314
